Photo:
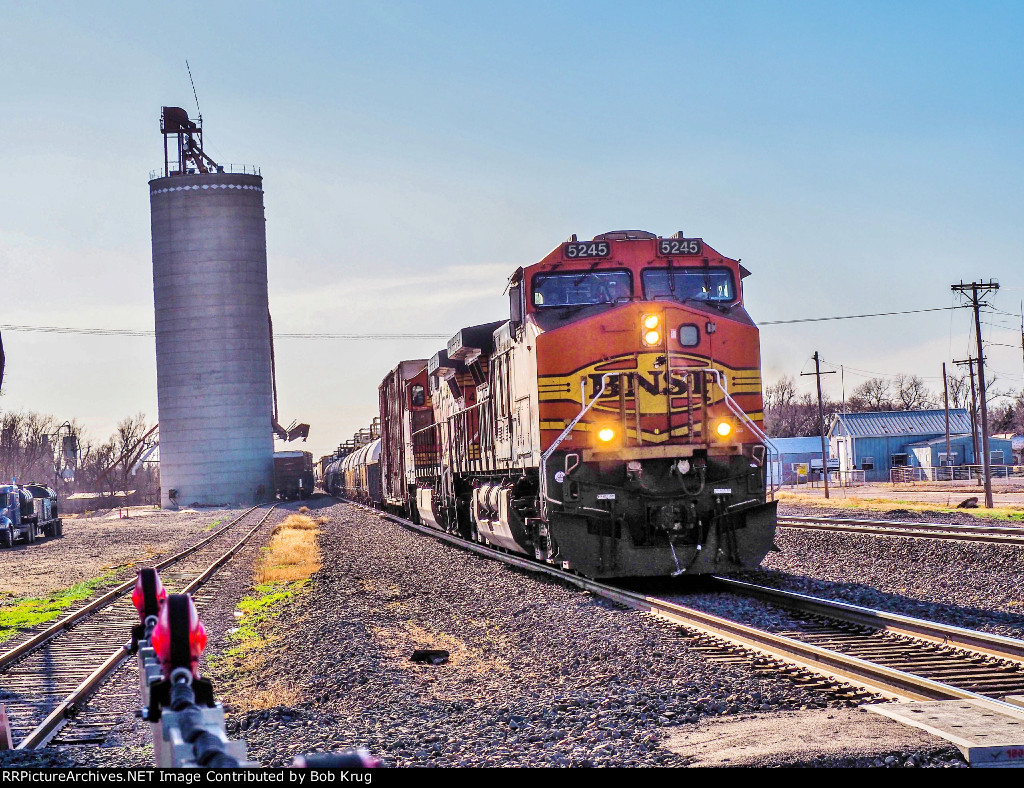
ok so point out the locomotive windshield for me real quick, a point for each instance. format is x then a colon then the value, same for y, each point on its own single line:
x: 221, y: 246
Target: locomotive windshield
x: 581, y: 288
x: 689, y: 284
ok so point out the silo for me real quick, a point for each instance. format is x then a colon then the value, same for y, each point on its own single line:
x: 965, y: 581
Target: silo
x: 213, y: 355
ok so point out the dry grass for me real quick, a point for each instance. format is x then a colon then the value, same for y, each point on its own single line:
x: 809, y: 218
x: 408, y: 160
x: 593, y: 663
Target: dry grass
x: 1000, y: 512
x: 259, y: 698
x: 283, y: 570
x: 292, y: 554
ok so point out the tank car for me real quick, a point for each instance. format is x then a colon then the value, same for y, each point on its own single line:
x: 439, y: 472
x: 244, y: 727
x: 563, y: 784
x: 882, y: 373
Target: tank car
x: 612, y: 423
x: 358, y: 476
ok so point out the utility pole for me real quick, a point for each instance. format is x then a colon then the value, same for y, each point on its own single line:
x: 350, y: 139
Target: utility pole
x: 975, y: 291
x: 969, y: 361
x: 945, y: 397
x: 821, y: 416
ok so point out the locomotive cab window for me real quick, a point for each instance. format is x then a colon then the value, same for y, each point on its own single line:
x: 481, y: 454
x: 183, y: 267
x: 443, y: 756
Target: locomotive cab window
x: 417, y: 396
x: 689, y: 284
x: 581, y: 288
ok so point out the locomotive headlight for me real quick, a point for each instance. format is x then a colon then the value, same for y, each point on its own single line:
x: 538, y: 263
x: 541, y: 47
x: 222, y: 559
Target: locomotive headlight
x: 606, y: 434
x: 723, y: 428
x: 650, y: 331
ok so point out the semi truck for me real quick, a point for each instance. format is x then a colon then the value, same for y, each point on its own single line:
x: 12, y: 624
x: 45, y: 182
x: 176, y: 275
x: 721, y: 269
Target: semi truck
x: 28, y: 512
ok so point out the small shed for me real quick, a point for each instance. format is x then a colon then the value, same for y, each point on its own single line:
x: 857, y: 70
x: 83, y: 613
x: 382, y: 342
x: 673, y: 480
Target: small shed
x: 794, y: 452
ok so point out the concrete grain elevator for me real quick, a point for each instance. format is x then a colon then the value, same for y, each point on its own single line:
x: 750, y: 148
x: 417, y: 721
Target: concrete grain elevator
x: 213, y: 341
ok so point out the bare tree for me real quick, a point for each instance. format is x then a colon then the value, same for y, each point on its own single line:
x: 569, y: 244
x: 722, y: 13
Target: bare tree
x: 912, y: 393
x: 788, y: 414
x: 959, y: 390
x: 25, y: 448
x: 872, y: 395
x: 130, y: 441
x: 30, y: 450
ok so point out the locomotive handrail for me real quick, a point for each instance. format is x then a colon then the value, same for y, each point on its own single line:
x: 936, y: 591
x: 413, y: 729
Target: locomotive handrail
x: 739, y: 413
x: 565, y: 433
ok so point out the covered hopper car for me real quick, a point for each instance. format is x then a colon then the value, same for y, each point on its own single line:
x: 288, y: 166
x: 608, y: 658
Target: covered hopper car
x: 293, y: 475
x: 612, y: 423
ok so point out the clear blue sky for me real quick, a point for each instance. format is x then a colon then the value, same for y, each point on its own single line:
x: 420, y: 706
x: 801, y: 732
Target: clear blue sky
x: 858, y: 157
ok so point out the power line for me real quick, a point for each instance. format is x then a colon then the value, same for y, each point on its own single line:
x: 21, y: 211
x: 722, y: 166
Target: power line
x: 865, y: 373
x: 855, y: 317
x: 131, y: 332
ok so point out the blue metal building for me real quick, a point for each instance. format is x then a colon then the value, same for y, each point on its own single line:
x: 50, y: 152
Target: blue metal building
x: 878, y: 442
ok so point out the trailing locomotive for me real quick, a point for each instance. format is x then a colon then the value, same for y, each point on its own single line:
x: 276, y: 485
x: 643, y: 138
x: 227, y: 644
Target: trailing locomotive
x: 612, y: 423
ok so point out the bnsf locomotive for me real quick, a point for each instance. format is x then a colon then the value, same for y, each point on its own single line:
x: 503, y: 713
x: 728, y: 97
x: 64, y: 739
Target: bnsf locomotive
x: 612, y: 423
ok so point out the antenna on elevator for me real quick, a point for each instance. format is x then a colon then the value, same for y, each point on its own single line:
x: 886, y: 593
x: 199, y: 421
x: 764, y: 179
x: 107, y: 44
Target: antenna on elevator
x: 194, y: 94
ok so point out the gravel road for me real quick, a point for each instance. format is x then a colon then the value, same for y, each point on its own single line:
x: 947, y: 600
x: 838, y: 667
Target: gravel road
x: 94, y: 545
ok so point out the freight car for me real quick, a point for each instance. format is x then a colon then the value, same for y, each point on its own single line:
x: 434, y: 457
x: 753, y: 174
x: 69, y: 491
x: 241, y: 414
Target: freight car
x: 611, y: 424
x: 357, y: 475
x: 293, y: 475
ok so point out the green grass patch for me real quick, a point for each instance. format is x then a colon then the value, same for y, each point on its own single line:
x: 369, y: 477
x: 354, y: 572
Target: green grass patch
x: 27, y: 612
x: 258, y: 610
x: 215, y: 523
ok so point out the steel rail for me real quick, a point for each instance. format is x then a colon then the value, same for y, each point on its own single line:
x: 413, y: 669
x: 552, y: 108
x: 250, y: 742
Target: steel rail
x: 983, y: 643
x: 110, y: 596
x: 833, y: 664
x: 45, y: 731
x: 923, y: 530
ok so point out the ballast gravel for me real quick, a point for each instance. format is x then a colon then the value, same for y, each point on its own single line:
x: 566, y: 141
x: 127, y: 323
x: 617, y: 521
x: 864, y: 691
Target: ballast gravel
x: 540, y: 674
x: 963, y: 583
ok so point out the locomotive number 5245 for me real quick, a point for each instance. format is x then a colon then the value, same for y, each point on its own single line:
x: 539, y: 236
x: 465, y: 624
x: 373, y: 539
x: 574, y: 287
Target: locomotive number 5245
x: 670, y: 246
x: 587, y: 249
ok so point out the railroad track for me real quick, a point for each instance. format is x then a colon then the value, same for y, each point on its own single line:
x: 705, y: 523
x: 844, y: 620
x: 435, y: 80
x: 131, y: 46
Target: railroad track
x: 48, y: 677
x: 995, y: 534
x: 895, y: 656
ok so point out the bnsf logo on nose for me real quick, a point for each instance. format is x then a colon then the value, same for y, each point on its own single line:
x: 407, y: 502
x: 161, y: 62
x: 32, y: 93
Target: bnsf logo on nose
x: 658, y: 381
